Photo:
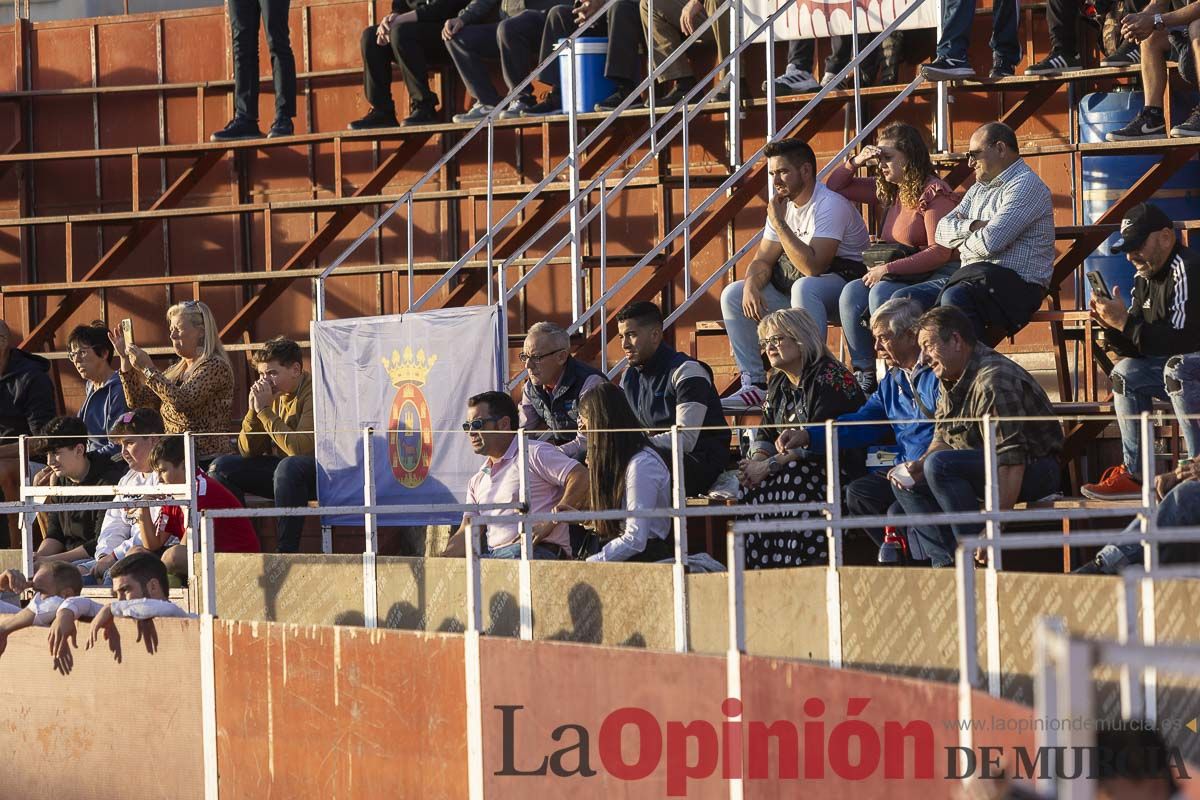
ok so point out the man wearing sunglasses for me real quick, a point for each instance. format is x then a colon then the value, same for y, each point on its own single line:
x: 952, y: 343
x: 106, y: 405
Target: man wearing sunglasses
x: 557, y: 380
x: 557, y: 482
x: 1004, y: 233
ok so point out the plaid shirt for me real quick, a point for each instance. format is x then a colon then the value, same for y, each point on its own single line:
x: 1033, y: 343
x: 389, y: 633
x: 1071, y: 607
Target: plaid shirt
x: 1019, y: 234
x: 993, y: 384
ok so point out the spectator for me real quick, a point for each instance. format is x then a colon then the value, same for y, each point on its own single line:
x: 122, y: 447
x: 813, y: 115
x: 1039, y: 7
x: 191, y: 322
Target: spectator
x: 625, y: 471
x: 905, y: 400
x: 1004, y: 232
x: 276, y: 447
x: 26, y: 404
x: 1153, y: 340
x: 472, y: 39
x: 196, y: 392
x: 243, y: 23
x: 136, y: 432
x: 664, y: 387
x: 1062, y: 18
x: 622, y: 64
x: 909, y: 199
x: 166, y: 536
x: 104, y: 400
x: 140, y: 584
x: 950, y: 61
x: 556, y: 382
x: 797, y: 77
x: 71, y: 535
x: 1157, y: 33
x: 808, y: 385
x: 811, y: 248
x: 411, y: 36
x: 557, y: 482
x: 674, y: 20
x: 52, y: 583
x: 976, y: 380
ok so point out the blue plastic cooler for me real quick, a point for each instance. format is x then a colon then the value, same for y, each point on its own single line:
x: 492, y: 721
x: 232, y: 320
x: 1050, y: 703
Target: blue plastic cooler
x: 585, y: 71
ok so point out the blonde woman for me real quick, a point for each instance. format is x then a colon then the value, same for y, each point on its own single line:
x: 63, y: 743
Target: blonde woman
x: 193, y: 394
x: 808, y: 385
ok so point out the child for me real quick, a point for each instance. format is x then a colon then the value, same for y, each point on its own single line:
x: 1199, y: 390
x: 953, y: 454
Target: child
x: 54, y: 582
x: 168, y: 536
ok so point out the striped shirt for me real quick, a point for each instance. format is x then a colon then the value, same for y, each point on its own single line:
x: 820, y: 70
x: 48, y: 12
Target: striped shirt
x: 1019, y: 235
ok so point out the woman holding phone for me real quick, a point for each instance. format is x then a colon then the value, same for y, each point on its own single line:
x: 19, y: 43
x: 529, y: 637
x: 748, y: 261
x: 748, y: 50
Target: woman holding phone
x: 193, y: 394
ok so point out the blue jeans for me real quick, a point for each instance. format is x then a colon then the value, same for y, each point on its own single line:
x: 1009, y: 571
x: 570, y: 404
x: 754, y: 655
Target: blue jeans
x: 540, y: 552
x: 743, y: 331
x: 1181, y: 377
x: 954, y: 482
x: 1136, y: 382
x: 1180, y: 508
x: 957, y: 18
x: 819, y: 296
x: 291, y: 482
x: 857, y: 298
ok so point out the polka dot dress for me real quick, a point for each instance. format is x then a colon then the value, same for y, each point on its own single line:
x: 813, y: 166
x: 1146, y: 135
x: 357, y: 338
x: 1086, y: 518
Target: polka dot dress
x: 799, y: 482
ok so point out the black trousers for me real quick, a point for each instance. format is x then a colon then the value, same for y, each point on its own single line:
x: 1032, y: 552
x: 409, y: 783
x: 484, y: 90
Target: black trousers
x: 413, y: 46
x: 244, y: 17
x: 623, y: 25
x: 801, y: 53
x: 871, y: 496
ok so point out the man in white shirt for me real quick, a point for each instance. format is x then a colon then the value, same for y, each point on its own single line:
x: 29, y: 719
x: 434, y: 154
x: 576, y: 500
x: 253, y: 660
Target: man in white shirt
x: 812, y: 246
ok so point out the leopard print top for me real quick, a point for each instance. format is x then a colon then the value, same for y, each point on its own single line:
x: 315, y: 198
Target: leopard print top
x: 202, y: 402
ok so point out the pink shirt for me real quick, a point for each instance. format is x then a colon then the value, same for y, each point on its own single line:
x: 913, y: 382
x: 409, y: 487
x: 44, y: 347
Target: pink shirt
x: 915, y: 227
x: 500, y: 482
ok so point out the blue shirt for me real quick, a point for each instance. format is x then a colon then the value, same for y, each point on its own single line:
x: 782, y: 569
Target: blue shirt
x: 100, y: 410
x: 893, y: 400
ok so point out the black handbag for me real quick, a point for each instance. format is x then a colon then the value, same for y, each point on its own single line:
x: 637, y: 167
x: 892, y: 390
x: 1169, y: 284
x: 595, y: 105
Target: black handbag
x: 784, y: 274
x: 881, y: 252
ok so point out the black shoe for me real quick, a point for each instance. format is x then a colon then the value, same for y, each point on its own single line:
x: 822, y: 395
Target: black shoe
x: 1129, y: 55
x: 238, y: 128
x: 947, y: 69
x: 421, y: 113
x: 552, y: 105
x: 682, y: 87
x: 1148, y: 124
x: 1054, y: 64
x: 282, y: 126
x: 375, y: 118
x: 1191, y: 127
x: 611, y: 102
x: 1001, y: 70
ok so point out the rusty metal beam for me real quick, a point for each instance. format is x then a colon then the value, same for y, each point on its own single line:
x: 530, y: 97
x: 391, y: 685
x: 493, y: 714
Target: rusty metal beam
x: 329, y: 231
x: 191, y: 176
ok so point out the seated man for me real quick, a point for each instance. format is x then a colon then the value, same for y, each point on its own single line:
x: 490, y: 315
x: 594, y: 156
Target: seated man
x: 812, y: 245
x: 411, y: 36
x: 667, y: 388
x: 675, y: 20
x: 92, y: 353
x: 949, y: 477
x: 556, y: 382
x: 1152, y: 341
x: 557, y: 482
x: 71, y: 535
x: 1004, y: 232
x: 622, y: 64
x: 905, y: 400
x: 26, y: 404
x: 275, y: 447
x: 1159, y: 28
x: 472, y: 39
x: 52, y: 583
x: 167, y: 535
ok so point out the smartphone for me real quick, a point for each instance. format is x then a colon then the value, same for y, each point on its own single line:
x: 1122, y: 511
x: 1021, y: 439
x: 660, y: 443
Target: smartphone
x: 1099, y: 287
x: 127, y: 331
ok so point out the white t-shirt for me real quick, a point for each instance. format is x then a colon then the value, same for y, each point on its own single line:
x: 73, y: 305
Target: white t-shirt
x: 827, y: 215
x: 121, y: 529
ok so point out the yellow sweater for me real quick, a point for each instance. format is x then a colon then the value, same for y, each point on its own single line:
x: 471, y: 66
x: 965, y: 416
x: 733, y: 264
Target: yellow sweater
x: 288, y: 413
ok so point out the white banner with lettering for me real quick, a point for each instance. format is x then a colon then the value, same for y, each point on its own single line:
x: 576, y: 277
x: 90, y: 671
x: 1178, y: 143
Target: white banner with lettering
x: 808, y: 19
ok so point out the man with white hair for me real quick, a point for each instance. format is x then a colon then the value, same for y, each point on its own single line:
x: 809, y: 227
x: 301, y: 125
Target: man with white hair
x: 557, y: 380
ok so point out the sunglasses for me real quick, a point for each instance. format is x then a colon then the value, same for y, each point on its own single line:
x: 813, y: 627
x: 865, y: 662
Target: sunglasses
x: 477, y: 423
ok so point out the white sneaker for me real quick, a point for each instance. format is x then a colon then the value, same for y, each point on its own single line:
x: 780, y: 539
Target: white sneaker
x: 474, y: 113
x: 725, y: 487
x: 794, y: 81
x: 749, y: 398
x: 516, y: 109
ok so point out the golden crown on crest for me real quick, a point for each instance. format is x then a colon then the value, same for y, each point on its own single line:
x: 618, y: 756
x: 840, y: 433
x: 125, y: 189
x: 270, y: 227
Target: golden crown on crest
x: 408, y: 369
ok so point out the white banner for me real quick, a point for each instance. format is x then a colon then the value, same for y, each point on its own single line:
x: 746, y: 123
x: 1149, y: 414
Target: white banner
x: 808, y: 19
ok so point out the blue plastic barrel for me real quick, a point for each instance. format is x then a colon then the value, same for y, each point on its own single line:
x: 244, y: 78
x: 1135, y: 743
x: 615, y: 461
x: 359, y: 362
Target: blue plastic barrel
x: 1105, y: 178
x: 585, y: 72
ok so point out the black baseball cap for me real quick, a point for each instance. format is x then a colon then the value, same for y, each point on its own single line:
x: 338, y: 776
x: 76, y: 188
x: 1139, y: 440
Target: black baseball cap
x: 1141, y: 221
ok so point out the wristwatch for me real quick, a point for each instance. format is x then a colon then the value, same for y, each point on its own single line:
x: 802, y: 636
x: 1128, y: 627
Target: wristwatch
x: 773, y: 465
x: 1158, y: 22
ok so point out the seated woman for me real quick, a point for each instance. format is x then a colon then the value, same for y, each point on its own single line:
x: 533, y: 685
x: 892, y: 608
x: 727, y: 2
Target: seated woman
x: 626, y: 472
x: 910, y: 199
x: 193, y: 394
x: 808, y: 385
